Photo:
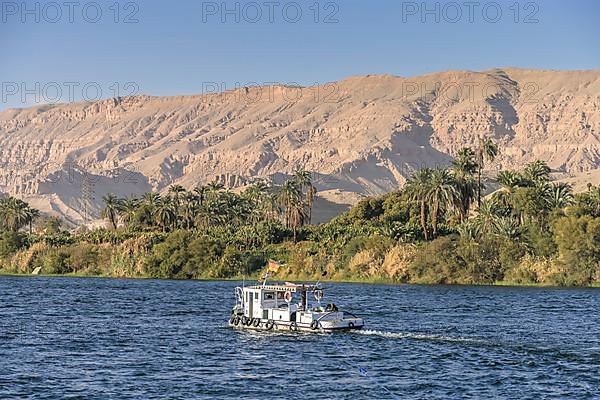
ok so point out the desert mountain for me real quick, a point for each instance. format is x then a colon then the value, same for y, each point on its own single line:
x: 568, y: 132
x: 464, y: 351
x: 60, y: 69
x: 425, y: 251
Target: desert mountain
x: 360, y: 136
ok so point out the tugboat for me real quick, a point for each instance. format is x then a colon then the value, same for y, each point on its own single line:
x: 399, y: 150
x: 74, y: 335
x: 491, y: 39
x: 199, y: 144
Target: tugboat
x: 273, y: 308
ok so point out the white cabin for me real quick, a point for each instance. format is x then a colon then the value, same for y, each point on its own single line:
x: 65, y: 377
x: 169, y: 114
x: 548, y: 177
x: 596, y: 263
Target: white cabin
x: 287, y: 306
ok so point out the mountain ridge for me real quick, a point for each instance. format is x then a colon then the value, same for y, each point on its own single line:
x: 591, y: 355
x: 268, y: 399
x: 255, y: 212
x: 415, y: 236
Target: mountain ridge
x: 363, y: 135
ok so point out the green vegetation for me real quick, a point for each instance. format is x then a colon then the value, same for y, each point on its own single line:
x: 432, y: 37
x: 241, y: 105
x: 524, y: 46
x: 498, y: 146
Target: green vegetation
x: 438, y: 229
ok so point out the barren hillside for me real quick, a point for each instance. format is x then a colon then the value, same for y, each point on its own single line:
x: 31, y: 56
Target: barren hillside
x: 363, y: 135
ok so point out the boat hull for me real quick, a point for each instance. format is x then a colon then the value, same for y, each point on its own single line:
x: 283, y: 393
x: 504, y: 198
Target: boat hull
x: 288, y: 326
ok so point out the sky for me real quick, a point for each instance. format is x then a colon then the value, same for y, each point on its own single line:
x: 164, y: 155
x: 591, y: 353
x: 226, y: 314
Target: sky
x: 69, y: 50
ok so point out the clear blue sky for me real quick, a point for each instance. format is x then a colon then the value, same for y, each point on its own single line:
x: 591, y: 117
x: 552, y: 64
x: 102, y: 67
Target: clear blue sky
x: 177, y: 46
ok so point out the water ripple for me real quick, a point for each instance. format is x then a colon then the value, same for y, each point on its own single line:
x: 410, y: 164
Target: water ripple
x: 105, y: 339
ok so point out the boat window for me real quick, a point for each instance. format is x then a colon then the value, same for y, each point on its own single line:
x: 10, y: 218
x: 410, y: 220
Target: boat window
x: 269, y: 296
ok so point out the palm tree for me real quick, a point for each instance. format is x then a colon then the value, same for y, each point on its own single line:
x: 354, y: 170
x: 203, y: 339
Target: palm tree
x: 290, y: 197
x: 190, y: 206
x: 214, y: 188
x: 510, y: 181
x: 594, y: 198
x: 112, y: 208
x: 256, y: 191
x: 297, y: 217
x: 257, y: 195
x: 129, y: 208
x: 235, y: 207
x: 559, y: 195
x: 463, y: 168
x: 303, y: 177
x: 271, y: 206
x: 151, y: 199
x: 487, y: 150
x: 176, y: 191
x: 15, y: 213
x: 147, y: 208
x: 304, y: 180
x: 468, y: 231
x: 441, y: 193
x: 209, y: 215
x: 537, y: 172
x: 165, y: 213
x: 464, y: 163
x: 508, y: 228
x: 33, y: 214
x: 201, y: 191
x: 488, y: 215
x: 417, y: 189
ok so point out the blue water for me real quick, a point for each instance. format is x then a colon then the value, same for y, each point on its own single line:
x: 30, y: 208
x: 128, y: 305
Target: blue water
x: 124, y: 339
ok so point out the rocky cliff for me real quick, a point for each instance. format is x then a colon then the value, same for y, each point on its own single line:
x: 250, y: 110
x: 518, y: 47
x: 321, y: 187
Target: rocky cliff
x: 363, y: 135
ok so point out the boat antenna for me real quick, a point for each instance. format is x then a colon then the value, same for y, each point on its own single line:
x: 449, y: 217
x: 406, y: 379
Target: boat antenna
x: 244, y: 270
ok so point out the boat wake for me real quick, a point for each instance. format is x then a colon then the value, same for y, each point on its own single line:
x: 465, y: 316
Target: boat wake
x: 418, y: 336
x: 529, y: 349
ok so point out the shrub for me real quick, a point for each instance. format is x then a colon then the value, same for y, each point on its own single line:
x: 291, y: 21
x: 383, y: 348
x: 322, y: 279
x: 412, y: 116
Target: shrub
x: 231, y: 264
x: 578, y: 240
x: 56, y: 262
x: 378, y: 244
x: 11, y: 242
x: 365, y: 264
x: 437, y: 262
x: 204, y: 254
x: 532, y: 269
x: 26, y: 260
x: 84, y: 256
x: 541, y: 241
x: 481, y: 261
x: 397, y: 262
x: 169, y: 258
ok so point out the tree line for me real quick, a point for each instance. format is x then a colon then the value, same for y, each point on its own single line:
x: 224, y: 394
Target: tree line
x: 441, y: 227
x: 209, y: 206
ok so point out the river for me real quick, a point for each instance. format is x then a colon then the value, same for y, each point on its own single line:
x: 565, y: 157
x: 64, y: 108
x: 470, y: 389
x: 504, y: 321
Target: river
x: 71, y: 338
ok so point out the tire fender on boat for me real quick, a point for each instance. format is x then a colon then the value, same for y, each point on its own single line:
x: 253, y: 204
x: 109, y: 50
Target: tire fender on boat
x: 293, y: 326
x: 270, y: 324
x: 256, y: 322
x: 249, y: 321
x: 314, y: 325
x: 351, y: 325
x: 236, y: 321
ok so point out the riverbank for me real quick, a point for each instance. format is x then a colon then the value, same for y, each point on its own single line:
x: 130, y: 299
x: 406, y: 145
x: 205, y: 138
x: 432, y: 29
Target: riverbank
x: 248, y: 280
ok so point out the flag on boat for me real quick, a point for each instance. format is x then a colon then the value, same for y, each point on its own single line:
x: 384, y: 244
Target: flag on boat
x: 272, y: 269
x: 273, y: 266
